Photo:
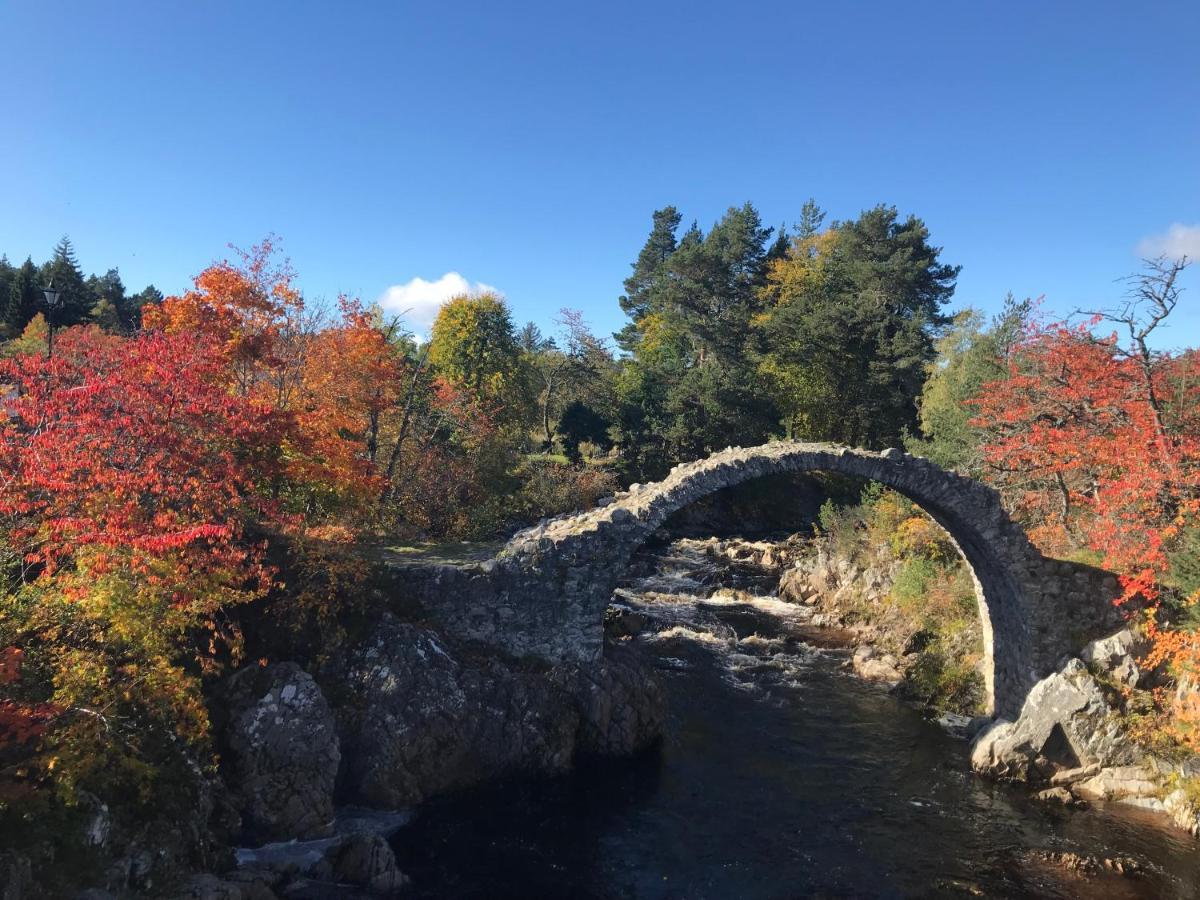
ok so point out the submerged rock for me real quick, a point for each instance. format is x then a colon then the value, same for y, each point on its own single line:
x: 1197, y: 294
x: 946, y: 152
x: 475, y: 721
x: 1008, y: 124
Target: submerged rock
x: 281, y: 752
x: 1060, y: 796
x: 365, y: 860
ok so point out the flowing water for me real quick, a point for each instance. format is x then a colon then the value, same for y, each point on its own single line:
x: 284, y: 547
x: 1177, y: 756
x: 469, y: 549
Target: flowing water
x: 781, y: 775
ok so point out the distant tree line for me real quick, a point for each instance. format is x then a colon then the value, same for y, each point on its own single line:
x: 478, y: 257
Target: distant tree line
x: 97, y: 299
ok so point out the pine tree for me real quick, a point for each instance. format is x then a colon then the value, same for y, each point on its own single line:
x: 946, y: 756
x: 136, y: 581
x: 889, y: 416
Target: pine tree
x: 647, y: 269
x: 8, y: 275
x: 75, y: 299
x: 25, y: 297
x: 110, y: 304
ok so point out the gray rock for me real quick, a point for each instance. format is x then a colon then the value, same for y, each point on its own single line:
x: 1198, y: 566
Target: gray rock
x: 1114, y: 655
x: 868, y: 664
x: 281, y: 753
x: 1118, y: 783
x: 365, y: 860
x: 1181, y: 810
x: 1065, y: 720
x: 621, y: 703
x: 1068, y: 777
x: 419, y: 721
x: 1058, y: 795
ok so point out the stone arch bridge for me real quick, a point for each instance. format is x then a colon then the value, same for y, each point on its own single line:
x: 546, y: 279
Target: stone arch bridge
x: 545, y: 593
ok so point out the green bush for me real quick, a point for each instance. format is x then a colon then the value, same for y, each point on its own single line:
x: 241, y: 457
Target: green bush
x: 945, y: 683
x: 914, y: 580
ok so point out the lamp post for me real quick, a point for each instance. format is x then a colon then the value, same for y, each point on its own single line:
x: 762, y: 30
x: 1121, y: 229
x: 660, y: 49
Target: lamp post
x: 53, y: 297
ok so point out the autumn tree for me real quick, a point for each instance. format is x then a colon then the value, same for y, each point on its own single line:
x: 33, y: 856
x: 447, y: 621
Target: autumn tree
x: 254, y: 315
x: 473, y: 345
x: 1095, y: 442
x: 131, y: 488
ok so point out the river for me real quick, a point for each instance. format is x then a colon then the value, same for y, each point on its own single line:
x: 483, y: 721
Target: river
x: 782, y: 775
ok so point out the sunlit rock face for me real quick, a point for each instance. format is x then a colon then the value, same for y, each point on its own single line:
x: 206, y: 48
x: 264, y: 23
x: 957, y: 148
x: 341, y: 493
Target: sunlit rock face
x: 545, y: 594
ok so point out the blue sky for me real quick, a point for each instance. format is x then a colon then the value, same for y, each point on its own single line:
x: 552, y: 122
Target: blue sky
x: 524, y: 145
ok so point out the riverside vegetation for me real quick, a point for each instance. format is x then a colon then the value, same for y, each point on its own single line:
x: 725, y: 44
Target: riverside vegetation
x: 194, y: 486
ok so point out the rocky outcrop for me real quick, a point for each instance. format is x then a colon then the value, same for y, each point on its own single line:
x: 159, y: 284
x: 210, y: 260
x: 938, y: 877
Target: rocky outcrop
x: 419, y: 721
x: 281, y: 753
x: 421, y: 717
x: 620, y: 702
x: 1066, y: 722
x: 1069, y: 736
x: 833, y: 580
x: 1115, y: 656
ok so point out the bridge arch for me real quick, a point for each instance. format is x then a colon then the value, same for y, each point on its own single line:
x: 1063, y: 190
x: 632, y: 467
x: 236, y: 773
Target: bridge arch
x: 545, y: 593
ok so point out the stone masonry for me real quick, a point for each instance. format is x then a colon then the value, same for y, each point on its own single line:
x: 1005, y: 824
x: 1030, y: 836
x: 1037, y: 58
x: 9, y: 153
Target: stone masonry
x: 545, y: 593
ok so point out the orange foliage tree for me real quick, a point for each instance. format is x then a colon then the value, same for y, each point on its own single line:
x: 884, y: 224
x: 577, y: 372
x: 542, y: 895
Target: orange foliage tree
x: 1095, y: 442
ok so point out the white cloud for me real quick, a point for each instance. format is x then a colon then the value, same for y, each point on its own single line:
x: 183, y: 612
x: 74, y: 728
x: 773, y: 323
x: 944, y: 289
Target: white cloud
x: 1178, y: 240
x: 418, y: 301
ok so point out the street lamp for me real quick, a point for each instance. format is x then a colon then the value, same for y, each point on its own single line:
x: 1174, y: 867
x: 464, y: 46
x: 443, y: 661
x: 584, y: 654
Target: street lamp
x: 53, y: 297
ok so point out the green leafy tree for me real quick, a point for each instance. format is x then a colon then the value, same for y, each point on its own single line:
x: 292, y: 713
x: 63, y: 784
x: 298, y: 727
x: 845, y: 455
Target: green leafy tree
x: 579, y: 423
x: 968, y: 357
x: 474, y: 346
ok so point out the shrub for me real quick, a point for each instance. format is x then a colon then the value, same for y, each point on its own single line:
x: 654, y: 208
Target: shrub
x: 550, y: 488
x: 913, y: 582
x: 920, y: 536
x: 945, y: 683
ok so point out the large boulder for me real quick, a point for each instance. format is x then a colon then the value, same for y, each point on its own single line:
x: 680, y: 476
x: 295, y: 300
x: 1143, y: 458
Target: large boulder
x: 281, y: 753
x: 869, y: 663
x: 1066, y: 721
x: 418, y: 720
